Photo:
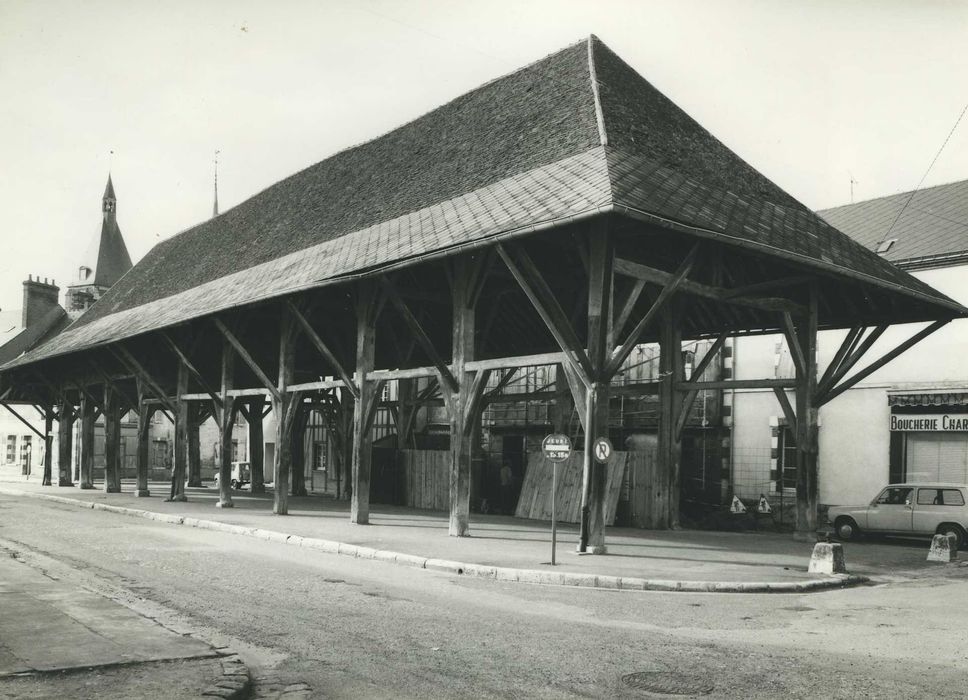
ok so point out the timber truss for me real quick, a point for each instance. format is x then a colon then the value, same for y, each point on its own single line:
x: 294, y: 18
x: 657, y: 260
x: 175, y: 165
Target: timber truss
x: 580, y: 297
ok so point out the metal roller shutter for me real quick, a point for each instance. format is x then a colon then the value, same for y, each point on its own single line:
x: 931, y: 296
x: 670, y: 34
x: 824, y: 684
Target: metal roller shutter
x: 937, y: 457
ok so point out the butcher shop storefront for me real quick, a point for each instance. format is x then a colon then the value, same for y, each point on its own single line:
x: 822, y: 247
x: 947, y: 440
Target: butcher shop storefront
x: 929, y: 436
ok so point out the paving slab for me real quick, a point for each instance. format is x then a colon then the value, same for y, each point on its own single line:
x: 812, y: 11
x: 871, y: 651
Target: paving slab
x: 47, y: 624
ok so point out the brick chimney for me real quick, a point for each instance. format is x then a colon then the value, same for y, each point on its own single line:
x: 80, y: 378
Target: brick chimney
x: 39, y: 298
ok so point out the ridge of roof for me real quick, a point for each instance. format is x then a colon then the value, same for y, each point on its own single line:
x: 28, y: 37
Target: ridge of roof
x: 879, y: 198
x: 593, y: 77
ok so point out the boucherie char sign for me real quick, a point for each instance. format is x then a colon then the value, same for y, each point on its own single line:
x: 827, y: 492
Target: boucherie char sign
x: 934, y: 422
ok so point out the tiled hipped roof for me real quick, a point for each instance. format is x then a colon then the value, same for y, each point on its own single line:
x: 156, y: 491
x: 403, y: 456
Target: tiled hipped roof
x: 538, y: 147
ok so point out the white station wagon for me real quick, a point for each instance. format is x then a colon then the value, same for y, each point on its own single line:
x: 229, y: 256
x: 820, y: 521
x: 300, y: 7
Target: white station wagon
x: 912, y: 509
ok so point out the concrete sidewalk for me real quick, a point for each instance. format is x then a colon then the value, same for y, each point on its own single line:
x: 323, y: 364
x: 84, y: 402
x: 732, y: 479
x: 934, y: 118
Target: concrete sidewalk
x: 503, y: 547
x: 60, y: 640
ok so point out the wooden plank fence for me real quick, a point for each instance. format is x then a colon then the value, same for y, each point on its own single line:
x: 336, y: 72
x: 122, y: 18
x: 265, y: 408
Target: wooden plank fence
x: 534, y: 501
x: 427, y: 478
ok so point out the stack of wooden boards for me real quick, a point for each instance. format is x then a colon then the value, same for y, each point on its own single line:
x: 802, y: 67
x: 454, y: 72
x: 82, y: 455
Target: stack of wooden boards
x: 536, y: 492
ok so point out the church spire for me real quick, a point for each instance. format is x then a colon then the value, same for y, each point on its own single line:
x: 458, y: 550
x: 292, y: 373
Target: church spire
x: 109, y: 202
x: 215, y: 204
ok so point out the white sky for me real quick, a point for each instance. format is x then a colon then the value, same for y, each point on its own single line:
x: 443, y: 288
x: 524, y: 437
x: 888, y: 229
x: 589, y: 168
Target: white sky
x: 804, y: 91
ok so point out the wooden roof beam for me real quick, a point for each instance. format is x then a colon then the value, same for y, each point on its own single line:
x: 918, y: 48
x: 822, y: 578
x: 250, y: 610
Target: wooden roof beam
x: 669, y: 289
x: 324, y: 350
x: 183, y: 357
x: 22, y: 419
x: 129, y: 360
x: 419, y: 333
x: 639, y: 271
x: 247, y: 358
x: 883, y: 360
x: 532, y: 283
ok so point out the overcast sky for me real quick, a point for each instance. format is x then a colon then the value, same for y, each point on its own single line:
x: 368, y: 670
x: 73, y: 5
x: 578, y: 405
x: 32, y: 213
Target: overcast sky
x: 807, y: 92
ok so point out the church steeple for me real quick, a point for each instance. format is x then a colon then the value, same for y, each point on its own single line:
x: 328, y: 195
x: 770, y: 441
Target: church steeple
x: 104, y: 262
x: 109, y: 202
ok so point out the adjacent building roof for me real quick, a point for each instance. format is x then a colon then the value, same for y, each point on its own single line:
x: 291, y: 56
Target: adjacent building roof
x: 49, y: 325
x: 932, y: 229
x: 573, y: 135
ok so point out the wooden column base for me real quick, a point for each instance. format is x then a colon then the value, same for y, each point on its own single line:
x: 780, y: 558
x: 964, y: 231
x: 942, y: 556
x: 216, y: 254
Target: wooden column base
x: 140, y: 493
x: 86, y: 486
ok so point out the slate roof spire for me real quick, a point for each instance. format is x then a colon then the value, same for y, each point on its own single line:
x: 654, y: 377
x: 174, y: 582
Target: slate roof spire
x: 108, y: 258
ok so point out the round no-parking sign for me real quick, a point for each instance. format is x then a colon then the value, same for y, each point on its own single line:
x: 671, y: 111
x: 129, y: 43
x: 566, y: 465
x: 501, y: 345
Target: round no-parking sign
x: 602, y: 450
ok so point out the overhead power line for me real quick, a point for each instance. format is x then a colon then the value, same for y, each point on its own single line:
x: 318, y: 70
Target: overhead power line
x: 933, y: 161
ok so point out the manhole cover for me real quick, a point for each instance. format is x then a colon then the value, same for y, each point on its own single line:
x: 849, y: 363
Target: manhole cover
x: 667, y: 683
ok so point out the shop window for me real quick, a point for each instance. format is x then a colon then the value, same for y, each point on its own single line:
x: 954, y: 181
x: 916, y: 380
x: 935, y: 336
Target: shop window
x: 11, y: 449
x: 786, y: 458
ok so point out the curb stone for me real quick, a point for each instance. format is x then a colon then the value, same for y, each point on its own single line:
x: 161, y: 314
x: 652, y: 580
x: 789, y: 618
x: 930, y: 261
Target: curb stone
x: 548, y: 578
x: 234, y: 683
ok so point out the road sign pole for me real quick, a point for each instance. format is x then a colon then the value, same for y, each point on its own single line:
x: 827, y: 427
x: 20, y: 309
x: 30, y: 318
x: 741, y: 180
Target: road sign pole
x: 554, y: 515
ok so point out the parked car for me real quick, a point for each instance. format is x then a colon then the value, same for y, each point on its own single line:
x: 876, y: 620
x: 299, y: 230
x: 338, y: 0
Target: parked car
x: 241, y: 475
x: 906, y: 509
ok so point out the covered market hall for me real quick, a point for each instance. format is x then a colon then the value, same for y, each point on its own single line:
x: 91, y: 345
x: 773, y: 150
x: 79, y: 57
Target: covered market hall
x: 562, y: 215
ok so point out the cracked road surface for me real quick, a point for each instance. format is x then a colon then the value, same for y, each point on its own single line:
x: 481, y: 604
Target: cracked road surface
x: 327, y: 626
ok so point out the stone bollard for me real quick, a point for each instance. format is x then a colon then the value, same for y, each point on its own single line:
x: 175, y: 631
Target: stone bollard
x: 942, y: 549
x: 827, y: 558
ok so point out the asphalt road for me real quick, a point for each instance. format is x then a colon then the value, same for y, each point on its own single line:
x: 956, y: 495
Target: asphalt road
x: 352, y: 628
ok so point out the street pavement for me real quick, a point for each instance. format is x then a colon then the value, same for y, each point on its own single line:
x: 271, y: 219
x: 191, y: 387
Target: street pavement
x: 332, y: 626
x: 58, y: 639
x: 503, y: 541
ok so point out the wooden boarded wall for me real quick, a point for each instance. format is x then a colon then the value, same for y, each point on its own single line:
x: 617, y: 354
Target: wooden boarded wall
x: 535, y: 499
x: 427, y: 478
x: 648, y: 491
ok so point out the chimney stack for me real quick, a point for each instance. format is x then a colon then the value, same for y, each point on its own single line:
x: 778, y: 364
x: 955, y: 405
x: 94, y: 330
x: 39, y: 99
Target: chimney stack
x: 39, y: 298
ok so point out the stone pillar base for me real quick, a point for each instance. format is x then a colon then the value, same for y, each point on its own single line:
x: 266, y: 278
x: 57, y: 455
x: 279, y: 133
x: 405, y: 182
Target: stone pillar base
x: 177, y: 498
x: 225, y: 504
x: 112, y: 489
x: 196, y: 483
x: 86, y: 485
x: 67, y: 482
x: 142, y: 493
x: 593, y: 549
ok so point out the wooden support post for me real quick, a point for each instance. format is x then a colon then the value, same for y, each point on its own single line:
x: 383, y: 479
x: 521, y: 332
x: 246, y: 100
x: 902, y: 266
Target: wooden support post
x: 601, y: 256
x: 226, y: 420
x: 65, y: 425
x: 282, y: 402
x: 459, y: 400
x: 179, y: 468
x: 195, y: 420
x: 406, y: 412
x: 362, y: 439
x: 86, y: 457
x: 48, y: 445
x: 807, y: 425
x: 670, y: 404
x: 257, y: 444
x: 112, y: 440
x: 145, y: 413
